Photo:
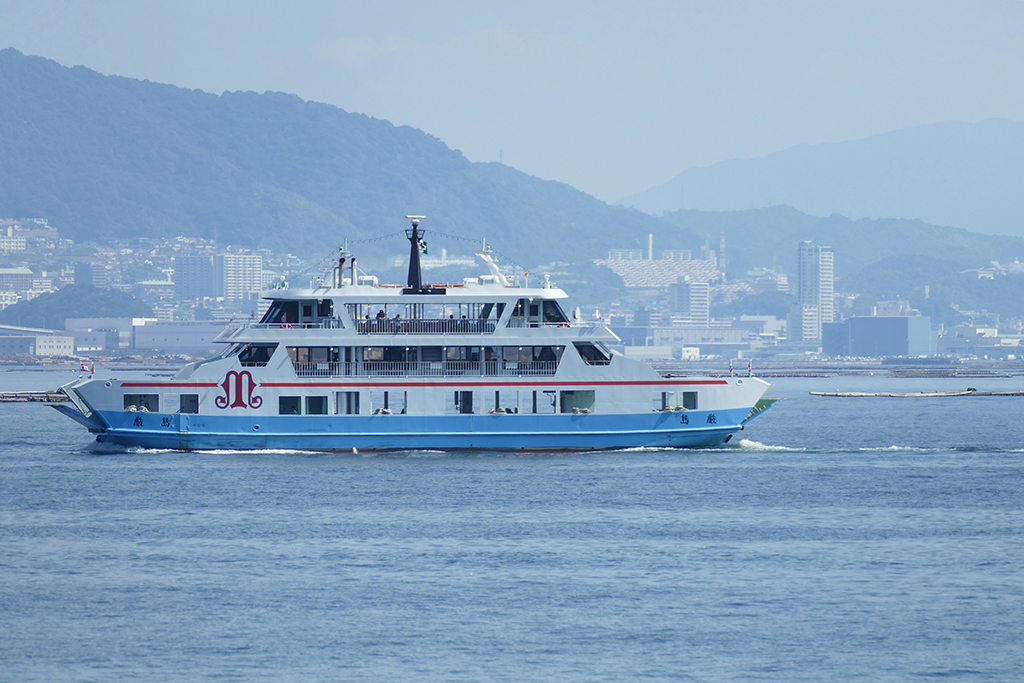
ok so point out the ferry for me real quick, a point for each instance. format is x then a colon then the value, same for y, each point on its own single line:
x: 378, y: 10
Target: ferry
x: 351, y: 365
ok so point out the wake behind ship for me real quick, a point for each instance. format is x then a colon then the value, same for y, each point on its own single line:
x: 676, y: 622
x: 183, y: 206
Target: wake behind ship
x: 354, y: 365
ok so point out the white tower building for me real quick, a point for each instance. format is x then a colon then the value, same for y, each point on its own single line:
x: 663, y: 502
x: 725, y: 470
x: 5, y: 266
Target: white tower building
x: 815, y: 292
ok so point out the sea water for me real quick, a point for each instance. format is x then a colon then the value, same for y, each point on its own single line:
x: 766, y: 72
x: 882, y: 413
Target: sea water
x: 833, y: 539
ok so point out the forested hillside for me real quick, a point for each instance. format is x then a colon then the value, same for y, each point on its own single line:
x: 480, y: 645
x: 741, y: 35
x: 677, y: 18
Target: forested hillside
x: 933, y: 286
x: 104, y: 157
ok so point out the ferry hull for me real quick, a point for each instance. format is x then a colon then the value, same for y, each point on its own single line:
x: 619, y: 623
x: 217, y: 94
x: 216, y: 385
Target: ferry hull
x: 350, y: 434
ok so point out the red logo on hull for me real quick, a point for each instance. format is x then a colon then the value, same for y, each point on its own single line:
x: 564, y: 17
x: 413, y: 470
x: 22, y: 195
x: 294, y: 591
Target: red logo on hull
x: 238, y: 388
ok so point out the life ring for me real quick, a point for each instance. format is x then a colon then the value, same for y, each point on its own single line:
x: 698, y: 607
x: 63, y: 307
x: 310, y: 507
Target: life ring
x: 285, y: 326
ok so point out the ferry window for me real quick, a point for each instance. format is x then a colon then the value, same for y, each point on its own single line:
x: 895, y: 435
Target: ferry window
x: 467, y: 353
x: 316, y: 405
x: 501, y: 402
x: 307, y: 311
x: 289, y: 405
x: 462, y: 402
x: 281, y: 312
x: 592, y: 355
x: 256, y: 355
x: 387, y: 402
x: 348, y: 402
x: 576, y: 401
x: 553, y: 313
x: 548, y: 353
x: 142, y: 402
x: 189, y: 404
x: 324, y: 308
x: 542, y: 402
x: 432, y: 354
x: 676, y: 400
x: 313, y: 354
x: 526, y: 354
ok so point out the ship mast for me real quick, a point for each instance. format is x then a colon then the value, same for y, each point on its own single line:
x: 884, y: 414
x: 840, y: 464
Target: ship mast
x: 414, y: 235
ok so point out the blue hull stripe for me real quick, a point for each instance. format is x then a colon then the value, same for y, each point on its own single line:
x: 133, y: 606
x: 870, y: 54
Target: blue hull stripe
x: 402, y: 432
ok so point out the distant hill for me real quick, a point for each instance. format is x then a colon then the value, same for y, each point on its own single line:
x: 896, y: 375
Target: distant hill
x: 759, y: 237
x: 107, y: 157
x: 932, y: 286
x: 967, y: 175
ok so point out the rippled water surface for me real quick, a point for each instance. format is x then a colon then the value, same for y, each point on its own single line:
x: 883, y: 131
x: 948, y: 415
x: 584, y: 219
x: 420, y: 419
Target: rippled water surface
x: 834, y: 539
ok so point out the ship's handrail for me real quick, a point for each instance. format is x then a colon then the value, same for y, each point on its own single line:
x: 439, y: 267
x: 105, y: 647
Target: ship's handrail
x: 450, y: 368
x: 392, y: 326
x: 425, y: 326
x: 231, y: 329
x: 326, y: 324
x: 520, y: 323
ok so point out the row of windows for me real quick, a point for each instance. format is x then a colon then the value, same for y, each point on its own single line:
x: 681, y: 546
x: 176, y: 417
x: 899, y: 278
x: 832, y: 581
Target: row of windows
x: 258, y: 355
x: 457, y: 402
x: 533, y: 311
x: 150, y: 403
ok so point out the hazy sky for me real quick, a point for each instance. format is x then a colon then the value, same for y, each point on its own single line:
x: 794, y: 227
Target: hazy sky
x: 609, y: 98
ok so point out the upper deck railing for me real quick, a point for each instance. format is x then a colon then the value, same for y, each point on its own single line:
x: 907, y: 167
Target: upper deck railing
x: 448, y: 368
x: 425, y: 326
x: 392, y: 326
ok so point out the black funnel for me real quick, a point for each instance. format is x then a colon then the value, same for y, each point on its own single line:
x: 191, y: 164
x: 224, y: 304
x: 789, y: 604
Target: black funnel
x: 414, y: 235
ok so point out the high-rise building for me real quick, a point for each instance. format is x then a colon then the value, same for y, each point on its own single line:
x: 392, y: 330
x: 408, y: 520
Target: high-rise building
x: 193, y: 277
x: 237, y: 276
x: 692, y: 299
x: 815, y: 292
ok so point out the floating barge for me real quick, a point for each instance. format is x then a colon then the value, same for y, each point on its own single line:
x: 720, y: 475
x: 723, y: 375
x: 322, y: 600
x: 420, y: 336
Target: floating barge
x: 33, y: 396
x: 916, y: 394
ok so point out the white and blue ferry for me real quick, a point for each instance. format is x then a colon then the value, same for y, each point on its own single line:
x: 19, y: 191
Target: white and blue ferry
x: 352, y: 365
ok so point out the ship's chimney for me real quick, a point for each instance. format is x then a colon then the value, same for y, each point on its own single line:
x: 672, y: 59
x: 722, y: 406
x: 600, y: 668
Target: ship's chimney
x: 414, y: 235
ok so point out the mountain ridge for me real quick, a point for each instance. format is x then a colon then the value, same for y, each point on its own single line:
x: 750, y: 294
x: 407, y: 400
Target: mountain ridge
x: 107, y: 157
x: 951, y: 173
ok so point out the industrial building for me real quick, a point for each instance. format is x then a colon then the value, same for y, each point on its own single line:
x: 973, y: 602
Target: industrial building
x: 879, y: 336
